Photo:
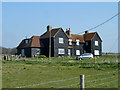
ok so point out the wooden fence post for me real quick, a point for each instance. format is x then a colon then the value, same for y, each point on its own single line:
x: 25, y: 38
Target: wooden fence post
x: 63, y: 58
x: 81, y: 82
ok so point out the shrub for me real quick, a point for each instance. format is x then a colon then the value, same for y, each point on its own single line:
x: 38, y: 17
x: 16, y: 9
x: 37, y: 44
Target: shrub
x: 42, y: 56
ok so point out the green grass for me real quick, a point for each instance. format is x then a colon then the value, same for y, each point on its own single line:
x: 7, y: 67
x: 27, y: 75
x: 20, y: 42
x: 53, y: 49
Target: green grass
x: 32, y: 71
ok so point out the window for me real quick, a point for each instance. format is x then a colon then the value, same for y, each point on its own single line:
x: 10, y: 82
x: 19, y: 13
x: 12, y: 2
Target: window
x: 22, y: 52
x: 70, y: 41
x: 77, y: 52
x: 61, y: 51
x: 96, y: 43
x: 77, y: 42
x: 86, y: 43
x: 26, y: 41
x: 96, y: 52
x: 37, y: 51
x: 60, y: 40
x: 69, y: 52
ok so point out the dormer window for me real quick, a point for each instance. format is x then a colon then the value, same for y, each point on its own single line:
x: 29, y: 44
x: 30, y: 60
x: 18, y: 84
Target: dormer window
x: 70, y: 41
x: 96, y: 43
x: 60, y: 40
x: 26, y: 42
x: 77, y: 42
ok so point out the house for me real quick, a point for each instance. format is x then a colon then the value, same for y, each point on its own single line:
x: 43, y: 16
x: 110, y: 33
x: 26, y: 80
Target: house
x: 93, y: 43
x: 59, y: 42
x: 62, y: 44
x: 75, y: 44
x: 30, y: 47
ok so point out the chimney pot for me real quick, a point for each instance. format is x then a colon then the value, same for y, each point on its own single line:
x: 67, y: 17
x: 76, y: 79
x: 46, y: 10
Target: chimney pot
x: 86, y: 32
x: 69, y: 29
x: 49, y: 28
x: 68, y: 32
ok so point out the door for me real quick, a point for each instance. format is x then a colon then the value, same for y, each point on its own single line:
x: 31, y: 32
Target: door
x: 22, y: 52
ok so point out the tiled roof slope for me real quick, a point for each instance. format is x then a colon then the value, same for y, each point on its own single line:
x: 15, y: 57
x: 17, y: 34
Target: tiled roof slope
x: 89, y: 36
x: 34, y: 41
x: 83, y: 38
x: 47, y: 34
x: 76, y: 36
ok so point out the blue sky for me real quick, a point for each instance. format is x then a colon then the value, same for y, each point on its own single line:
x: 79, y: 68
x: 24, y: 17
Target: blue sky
x: 29, y: 18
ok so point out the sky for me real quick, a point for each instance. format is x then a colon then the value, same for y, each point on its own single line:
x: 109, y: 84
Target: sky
x: 21, y: 19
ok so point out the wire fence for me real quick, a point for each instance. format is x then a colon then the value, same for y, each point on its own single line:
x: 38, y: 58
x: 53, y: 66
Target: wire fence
x: 78, y: 83
x: 94, y: 81
x: 101, y: 83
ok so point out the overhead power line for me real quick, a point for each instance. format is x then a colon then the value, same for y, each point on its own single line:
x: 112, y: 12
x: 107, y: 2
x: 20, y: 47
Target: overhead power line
x: 102, y: 23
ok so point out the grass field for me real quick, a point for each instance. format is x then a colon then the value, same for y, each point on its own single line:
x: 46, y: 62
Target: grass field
x: 60, y: 73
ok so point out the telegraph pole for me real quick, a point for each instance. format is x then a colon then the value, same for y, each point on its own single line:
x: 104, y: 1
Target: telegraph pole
x: 50, y: 45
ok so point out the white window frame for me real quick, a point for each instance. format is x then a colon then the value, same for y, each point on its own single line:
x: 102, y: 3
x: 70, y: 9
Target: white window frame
x: 26, y: 41
x: 61, y: 40
x: 70, y: 41
x: 69, y: 52
x: 38, y: 51
x: 61, y: 51
x: 96, y: 43
x: 77, y: 41
x: 77, y: 52
x: 96, y: 52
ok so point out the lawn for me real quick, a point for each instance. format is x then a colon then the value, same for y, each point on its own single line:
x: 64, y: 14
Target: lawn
x: 60, y: 73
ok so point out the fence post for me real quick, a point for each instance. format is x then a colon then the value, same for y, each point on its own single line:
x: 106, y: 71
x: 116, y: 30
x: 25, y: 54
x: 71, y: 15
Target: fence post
x: 81, y: 82
x: 63, y: 58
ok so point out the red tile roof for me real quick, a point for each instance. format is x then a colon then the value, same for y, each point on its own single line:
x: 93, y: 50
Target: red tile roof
x: 76, y: 36
x: 89, y: 36
x: 34, y: 41
x: 47, y: 34
x: 83, y: 38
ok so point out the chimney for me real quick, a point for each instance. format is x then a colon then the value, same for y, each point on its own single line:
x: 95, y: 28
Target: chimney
x: 86, y: 32
x: 68, y: 32
x: 49, y: 28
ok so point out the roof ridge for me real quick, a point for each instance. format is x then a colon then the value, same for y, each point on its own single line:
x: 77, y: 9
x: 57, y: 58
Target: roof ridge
x: 53, y: 33
x: 43, y: 34
x: 92, y: 32
x: 35, y: 36
x: 76, y: 34
x: 56, y: 28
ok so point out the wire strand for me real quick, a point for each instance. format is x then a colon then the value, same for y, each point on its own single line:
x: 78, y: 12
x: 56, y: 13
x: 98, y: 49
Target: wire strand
x: 101, y: 23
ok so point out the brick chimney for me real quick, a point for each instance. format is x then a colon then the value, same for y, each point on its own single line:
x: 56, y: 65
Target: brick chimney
x: 68, y: 32
x: 49, y: 28
x: 86, y: 32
